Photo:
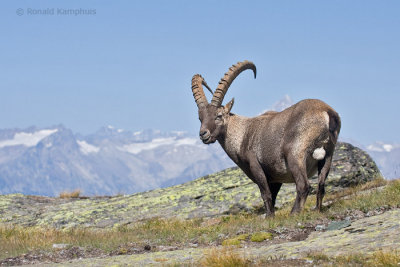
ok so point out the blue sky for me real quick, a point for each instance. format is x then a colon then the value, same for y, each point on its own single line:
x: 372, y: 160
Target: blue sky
x: 130, y: 64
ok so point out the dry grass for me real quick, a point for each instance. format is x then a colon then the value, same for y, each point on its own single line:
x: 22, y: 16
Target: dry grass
x: 15, y: 240
x: 74, y: 194
x: 378, y: 258
x: 355, y: 190
x: 224, y: 258
x: 385, y: 258
x: 388, y: 197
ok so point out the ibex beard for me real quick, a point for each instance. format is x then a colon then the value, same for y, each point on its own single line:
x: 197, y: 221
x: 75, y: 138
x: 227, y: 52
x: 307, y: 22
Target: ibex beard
x: 276, y: 147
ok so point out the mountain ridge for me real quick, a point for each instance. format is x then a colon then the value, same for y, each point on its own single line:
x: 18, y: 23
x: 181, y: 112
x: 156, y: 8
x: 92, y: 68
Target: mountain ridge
x: 47, y: 161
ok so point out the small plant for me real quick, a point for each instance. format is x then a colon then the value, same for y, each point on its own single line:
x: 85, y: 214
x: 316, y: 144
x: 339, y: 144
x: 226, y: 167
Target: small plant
x: 260, y: 236
x: 74, y: 194
x: 235, y: 241
x: 231, y: 242
x: 224, y: 258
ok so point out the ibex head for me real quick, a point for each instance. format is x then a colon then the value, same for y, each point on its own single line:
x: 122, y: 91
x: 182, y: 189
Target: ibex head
x: 213, y: 116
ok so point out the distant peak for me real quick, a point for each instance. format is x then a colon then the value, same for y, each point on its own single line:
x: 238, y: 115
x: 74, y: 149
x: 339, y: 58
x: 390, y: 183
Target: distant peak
x: 280, y: 105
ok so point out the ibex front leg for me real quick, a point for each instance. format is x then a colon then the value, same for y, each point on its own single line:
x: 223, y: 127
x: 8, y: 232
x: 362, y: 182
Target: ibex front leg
x: 258, y: 176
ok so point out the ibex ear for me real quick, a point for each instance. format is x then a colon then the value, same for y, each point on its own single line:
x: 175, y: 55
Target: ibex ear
x: 229, y: 106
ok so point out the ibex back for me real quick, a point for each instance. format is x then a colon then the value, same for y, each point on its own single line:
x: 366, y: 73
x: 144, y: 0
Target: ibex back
x: 276, y: 147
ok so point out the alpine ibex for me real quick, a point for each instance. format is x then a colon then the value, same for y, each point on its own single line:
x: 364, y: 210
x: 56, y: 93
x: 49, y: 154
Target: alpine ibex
x: 275, y: 147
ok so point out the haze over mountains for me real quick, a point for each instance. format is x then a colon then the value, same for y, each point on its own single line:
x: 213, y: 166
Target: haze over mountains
x: 111, y: 161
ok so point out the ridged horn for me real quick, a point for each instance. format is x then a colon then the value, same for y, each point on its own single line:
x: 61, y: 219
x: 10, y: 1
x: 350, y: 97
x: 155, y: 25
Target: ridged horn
x: 228, y: 78
x: 198, y: 92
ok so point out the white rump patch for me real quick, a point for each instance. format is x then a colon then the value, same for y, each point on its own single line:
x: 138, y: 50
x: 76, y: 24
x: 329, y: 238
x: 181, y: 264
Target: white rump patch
x: 319, y: 153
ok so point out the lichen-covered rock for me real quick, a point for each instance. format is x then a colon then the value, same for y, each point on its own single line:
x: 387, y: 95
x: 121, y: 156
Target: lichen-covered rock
x: 228, y: 191
x: 364, y: 236
x: 351, y: 166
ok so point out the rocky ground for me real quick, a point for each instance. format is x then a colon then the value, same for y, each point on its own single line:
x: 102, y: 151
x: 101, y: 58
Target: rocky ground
x: 211, y: 198
x: 356, y: 233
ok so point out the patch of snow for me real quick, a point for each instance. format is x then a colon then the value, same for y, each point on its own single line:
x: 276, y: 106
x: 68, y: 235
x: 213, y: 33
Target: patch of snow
x: 110, y: 127
x: 178, y: 133
x: 136, y: 148
x: 375, y: 148
x: 86, y: 148
x: 137, y: 133
x: 27, y: 139
x: 186, y: 141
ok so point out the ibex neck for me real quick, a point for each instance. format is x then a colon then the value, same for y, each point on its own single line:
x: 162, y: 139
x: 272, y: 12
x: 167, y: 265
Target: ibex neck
x: 235, y: 131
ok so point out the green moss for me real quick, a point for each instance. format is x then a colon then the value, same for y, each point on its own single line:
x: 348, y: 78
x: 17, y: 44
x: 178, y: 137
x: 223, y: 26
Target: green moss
x: 231, y: 242
x: 261, y: 236
x: 235, y: 241
x: 242, y: 237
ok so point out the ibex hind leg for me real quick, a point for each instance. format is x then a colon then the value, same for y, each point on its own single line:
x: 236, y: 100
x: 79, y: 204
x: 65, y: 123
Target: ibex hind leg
x: 298, y: 169
x: 323, y: 171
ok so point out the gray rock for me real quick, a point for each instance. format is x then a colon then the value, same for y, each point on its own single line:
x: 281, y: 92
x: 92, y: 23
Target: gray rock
x: 336, y: 225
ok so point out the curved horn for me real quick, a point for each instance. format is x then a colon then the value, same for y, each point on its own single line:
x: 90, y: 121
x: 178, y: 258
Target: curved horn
x: 198, y: 92
x: 228, y: 78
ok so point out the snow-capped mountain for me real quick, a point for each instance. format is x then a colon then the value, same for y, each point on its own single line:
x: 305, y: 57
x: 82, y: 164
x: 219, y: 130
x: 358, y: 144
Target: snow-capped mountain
x: 387, y: 157
x: 110, y: 161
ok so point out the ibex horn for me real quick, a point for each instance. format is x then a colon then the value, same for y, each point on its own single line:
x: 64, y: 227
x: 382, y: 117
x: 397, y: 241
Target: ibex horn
x: 197, y: 89
x: 228, y: 78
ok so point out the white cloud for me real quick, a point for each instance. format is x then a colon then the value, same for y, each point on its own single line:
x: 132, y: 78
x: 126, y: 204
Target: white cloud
x: 27, y: 139
x: 86, y: 148
x: 387, y: 147
x: 382, y: 147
